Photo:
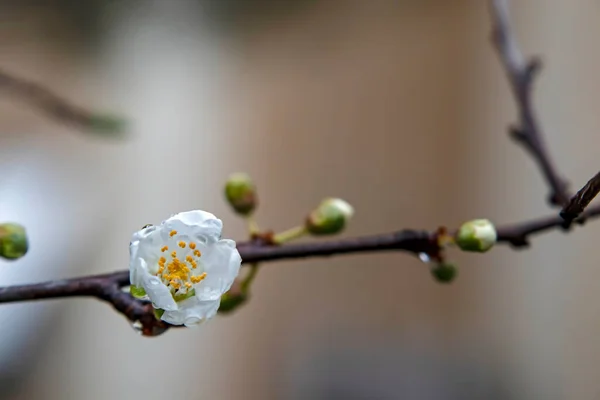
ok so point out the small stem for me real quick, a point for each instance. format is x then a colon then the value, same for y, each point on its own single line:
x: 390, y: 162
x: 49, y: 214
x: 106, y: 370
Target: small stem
x: 245, y: 285
x: 289, y: 235
x: 253, y: 228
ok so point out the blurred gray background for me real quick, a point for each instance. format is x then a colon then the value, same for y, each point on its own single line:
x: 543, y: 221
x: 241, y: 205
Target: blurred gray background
x: 400, y: 107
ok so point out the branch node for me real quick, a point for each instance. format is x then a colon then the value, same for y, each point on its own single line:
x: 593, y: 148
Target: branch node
x: 533, y: 68
x: 519, y: 242
x: 518, y: 135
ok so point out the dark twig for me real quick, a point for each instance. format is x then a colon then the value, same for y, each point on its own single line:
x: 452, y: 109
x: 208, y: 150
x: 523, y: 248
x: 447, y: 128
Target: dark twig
x: 57, y: 107
x: 581, y: 200
x: 107, y: 287
x: 521, y: 74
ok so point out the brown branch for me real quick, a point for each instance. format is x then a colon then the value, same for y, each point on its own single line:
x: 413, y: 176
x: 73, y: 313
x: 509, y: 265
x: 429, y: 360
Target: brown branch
x: 581, y: 200
x: 520, y: 75
x: 56, y: 107
x: 107, y: 287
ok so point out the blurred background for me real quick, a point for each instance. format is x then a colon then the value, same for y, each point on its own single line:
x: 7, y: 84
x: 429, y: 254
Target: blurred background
x: 398, y: 106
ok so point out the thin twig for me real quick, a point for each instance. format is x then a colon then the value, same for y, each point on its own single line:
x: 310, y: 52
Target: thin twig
x: 521, y: 74
x: 581, y: 200
x: 107, y: 286
x: 56, y: 107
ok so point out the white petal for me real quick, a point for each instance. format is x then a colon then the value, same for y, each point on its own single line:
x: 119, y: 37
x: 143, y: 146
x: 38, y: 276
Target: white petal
x: 159, y: 294
x: 136, y: 272
x: 192, y: 312
x: 133, y: 248
x: 202, y: 226
x: 222, y: 265
x: 143, y: 233
x: 192, y: 218
x: 134, y: 263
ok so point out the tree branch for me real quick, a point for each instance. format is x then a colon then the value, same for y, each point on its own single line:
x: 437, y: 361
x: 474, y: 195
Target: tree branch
x: 520, y: 75
x: 581, y: 200
x: 56, y: 107
x: 107, y: 287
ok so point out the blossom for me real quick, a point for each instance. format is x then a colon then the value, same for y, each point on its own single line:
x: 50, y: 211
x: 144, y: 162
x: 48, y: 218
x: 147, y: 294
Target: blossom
x: 183, y: 266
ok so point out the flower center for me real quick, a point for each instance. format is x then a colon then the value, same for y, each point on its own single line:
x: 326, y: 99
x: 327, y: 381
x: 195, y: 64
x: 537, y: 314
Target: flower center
x: 177, y: 268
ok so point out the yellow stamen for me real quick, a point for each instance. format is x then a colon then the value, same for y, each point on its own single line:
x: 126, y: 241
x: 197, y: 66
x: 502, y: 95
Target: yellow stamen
x: 194, y: 264
x: 165, y: 248
x: 189, y: 258
x: 172, y: 233
x: 179, y: 270
x: 192, y: 245
x: 175, y: 284
x: 197, y: 253
x: 182, y: 244
x: 198, y: 278
x: 173, y: 254
x: 188, y: 285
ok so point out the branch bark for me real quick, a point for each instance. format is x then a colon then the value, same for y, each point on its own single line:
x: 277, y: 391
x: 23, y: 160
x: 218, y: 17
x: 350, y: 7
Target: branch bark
x: 521, y: 74
x: 581, y: 200
x: 107, y: 287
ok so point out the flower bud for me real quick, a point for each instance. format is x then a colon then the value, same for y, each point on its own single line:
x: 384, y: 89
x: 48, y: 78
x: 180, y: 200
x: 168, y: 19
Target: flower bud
x: 13, y: 241
x: 330, y: 217
x: 444, y: 272
x: 478, y: 235
x: 241, y: 193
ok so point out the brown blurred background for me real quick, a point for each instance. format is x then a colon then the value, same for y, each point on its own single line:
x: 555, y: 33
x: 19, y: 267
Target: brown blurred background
x: 398, y: 106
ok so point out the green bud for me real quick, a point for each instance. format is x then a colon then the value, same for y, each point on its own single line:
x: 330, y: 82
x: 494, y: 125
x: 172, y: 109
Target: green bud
x: 230, y: 302
x: 478, y: 235
x: 13, y: 241
x: 444, y: 272
x: 241, y: 193
x: 330, y: 217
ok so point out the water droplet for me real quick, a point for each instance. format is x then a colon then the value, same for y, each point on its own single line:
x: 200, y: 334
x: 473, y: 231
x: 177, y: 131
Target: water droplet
x: 137, y: 327
x: 155, y: 330
x: 424, y: 257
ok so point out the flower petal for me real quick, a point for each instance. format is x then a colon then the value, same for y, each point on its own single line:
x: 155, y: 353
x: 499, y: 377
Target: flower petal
x: 136, y: 271
x: 192, y: 312
x: 222, y: 265
x: 158, y: 293
x: 201, y: 225
x: 143, y: 233
x: 192, y: 218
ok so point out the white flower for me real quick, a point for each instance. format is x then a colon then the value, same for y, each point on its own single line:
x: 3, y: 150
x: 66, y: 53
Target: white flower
x: 183, y: 266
